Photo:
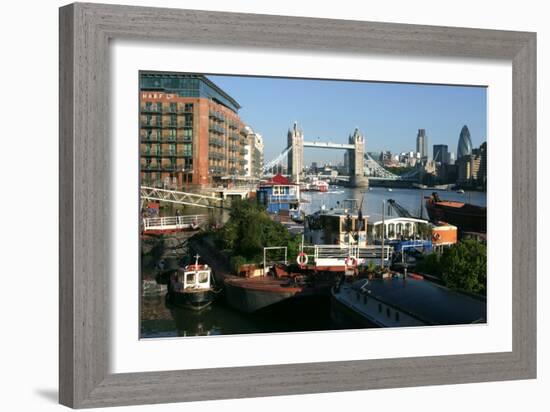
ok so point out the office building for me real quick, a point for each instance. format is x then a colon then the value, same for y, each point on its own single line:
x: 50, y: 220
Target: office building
x: 190, y: 131
x: 464, y: 143
x: 422, y: 144
x: 441, y: 154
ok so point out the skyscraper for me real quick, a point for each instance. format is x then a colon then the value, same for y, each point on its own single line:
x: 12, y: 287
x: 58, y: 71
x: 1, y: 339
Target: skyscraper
x: 441, y: 154
x: 422, y: 144
x: 464, y: 143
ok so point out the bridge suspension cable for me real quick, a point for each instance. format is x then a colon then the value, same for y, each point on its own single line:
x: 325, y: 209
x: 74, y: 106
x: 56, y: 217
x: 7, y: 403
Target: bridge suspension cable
x: 376, y: 170
x: 269, y: 166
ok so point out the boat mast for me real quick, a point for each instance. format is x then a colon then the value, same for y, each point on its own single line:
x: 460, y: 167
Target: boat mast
x: 382, y: 231
x: 421, y: 204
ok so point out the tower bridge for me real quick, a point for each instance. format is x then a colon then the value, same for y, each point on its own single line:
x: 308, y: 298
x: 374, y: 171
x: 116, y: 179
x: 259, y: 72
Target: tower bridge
x: 361, y: 165
x: 355, y: 148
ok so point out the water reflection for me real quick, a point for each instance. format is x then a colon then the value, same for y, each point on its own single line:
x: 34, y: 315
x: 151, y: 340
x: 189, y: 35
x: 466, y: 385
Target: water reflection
x: 160, y: 319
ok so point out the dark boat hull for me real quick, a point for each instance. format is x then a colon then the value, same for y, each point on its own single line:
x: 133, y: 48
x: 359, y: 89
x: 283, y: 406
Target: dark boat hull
x: 345, y: 318
x: 196, y: 300
x: 252, y: 295
x: 468, y: 218
x: 250, y: 300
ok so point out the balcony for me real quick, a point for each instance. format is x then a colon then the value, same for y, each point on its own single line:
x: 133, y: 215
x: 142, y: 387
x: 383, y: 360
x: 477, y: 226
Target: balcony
x: 216, y: 156
x: 233, y: 136
x: 152, y: 153
x: 217, y: 170
x: 150, y: 125
x: 150, y: 110
x: 232, y: 125
x: 154, y: 139
x: 216, y: 142
x: 216, y: 128
x: 150, y: 168
x: 178, y: 125
x: 171, y: 153
x: 233, y: 148
x: 216, y: 115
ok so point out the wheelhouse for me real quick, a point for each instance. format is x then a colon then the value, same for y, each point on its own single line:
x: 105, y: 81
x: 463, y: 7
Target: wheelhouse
x: 193, y: 277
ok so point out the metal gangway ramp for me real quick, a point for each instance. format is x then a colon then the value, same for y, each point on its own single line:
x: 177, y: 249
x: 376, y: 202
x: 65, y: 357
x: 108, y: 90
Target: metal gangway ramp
x: 182, y: 198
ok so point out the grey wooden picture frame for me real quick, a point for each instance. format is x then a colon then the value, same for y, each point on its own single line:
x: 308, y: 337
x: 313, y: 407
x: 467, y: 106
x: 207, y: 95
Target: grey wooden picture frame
x: 85, y: 32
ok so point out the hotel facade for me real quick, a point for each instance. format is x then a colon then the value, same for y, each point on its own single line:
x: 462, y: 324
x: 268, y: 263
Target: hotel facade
x: 190, y: 132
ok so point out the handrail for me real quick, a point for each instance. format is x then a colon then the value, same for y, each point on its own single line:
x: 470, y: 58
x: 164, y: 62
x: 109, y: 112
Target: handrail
x: 173, y: 221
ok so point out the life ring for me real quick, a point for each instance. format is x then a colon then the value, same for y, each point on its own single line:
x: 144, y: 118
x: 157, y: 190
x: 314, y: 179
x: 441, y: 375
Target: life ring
x: 302, y: 259
x: 436, y: 236
x: 351, y: 261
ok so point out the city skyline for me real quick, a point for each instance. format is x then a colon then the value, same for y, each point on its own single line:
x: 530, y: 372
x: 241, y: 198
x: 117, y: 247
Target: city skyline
x: 389, y: 114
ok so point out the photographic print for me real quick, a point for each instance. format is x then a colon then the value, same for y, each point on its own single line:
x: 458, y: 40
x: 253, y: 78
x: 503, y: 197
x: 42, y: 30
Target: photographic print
x: 291, y: 205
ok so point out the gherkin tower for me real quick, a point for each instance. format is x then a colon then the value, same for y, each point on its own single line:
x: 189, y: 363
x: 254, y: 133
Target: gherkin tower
x: 464, y: 143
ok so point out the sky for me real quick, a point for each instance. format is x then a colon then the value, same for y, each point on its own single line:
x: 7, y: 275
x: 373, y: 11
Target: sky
x: 388, y: 114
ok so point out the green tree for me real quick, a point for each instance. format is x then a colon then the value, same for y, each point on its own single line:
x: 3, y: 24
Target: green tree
x: 464, y: 266
x: 431, y: 265
x: 250, y: 229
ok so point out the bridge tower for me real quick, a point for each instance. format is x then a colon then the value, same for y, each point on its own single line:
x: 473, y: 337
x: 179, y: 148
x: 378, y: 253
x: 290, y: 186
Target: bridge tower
x: 356, y: 160
x: 296, y: 154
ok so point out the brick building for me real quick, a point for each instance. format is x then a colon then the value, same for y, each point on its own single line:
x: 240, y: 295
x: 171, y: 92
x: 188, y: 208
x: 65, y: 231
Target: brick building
x: 190, y: 131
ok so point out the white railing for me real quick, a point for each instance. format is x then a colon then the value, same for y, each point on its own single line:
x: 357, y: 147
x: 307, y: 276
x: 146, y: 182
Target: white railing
x: 335, y: 254
x: 174, y: 222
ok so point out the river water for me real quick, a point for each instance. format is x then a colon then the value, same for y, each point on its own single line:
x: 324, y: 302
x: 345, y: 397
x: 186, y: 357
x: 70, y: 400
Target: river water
x: 160, y: 320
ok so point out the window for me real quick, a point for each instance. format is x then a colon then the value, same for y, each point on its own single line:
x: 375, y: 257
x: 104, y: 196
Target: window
x: 172, y: 134
x: 159, y: 107
x: 365, y: 299
x: 188, y: 134
x: 188, y: 107
x: 188, y: 150
x: 148, y: 106
x: 391, y: 230
x: 190, y: 279
x: 203, y: 277
x: 388, y: 313
x: 399, y: 229
x: 379, y: 308
x: 397, y: 316
x: 173, y: 107
x: 188, y: 121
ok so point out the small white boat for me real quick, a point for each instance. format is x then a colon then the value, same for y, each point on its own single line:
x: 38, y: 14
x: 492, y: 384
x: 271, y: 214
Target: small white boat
x: 192, y: 286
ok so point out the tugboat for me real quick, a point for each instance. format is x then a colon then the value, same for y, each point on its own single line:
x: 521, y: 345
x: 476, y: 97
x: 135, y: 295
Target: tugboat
x: 192, y: 286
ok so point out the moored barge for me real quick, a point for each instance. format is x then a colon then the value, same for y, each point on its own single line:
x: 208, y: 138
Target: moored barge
x: 466, y: 216
x: 399, y: 301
